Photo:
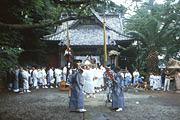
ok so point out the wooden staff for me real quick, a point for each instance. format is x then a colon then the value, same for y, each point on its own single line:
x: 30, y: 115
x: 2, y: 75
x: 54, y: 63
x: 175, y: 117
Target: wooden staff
x: 105, y: 47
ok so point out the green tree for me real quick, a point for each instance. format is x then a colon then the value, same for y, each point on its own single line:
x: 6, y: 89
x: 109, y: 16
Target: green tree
x: 156, y: 28
x: 24, y: 22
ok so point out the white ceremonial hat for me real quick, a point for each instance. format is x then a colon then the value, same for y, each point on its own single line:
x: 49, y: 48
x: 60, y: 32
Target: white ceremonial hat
x: 108, y: 67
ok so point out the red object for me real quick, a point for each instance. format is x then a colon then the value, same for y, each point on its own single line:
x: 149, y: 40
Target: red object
x: 109, y: 74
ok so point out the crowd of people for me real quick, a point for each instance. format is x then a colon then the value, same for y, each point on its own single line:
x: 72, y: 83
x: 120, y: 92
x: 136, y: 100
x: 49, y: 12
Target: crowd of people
x: 85, y: 81
x: 162, y: 81
x: 88, y: 80
x: 23, y: 79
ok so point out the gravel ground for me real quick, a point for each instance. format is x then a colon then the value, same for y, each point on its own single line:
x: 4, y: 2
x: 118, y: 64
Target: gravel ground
x: 149, y: 108
x: 49, y: 104
x: 53, y: 104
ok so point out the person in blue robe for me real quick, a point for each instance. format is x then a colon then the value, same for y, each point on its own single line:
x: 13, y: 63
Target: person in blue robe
x: 10, y: 78
x: 122, y: 74
x: 128, y: 81
x: 76, y: 100
x: 117, y: 91
x: 16, y: 79
x: 22, y: 78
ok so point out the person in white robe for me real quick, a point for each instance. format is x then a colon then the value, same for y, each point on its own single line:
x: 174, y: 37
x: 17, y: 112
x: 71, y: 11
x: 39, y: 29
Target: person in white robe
x: 96, y: 79
x: 100, y: 79
x: 35, y: 78
x: 136, y: 76
x: 40, y: 74
x: 151, y: 80
x: 65, y: 72
x: 51, y: 77
x: 157, y: 82
x: 26, y: 81
x: 44, y: 80
x: 58, y: 74
x: 102, y: 70
x: 89, y: 83
x: 83, y: 74
x: 128, y: 78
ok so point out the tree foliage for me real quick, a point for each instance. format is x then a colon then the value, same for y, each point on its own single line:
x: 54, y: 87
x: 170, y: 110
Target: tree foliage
x: 156, y: 28
x: 24, y: 22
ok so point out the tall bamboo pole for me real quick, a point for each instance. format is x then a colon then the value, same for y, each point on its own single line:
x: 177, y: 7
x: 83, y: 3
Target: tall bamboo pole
x: 105, y: 47
x: 67, y: 35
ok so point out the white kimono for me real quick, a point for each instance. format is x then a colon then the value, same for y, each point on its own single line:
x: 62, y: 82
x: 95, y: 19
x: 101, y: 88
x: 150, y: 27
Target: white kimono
x: 44, y: 82
x: 51, y: 78
x: 84, y: 74
x: 128, y: 75
x: 40, y: 74
x: 101, y: 72
x: 96, y: 81
x: 136, y: 76
x: 128, y: 78
x: 64, y: 73
x: 157, y: 82
x: 89, y: 83
x: 100, y: 78
x: 35, y: 78
x: 58, y: 74
x: 26, y: 82
x: 151, y: 79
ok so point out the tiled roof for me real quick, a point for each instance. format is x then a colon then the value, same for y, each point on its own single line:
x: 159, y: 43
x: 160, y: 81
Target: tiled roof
x: 91, y: 34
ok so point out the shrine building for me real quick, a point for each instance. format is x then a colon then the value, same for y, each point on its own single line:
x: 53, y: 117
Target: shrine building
x: 86, y: 38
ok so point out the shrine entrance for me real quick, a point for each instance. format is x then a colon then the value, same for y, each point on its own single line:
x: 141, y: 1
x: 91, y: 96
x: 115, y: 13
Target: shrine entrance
x: 81, y: 59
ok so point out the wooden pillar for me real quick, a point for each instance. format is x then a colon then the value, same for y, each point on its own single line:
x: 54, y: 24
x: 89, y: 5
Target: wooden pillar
x: 116, y: 61
x: 58, y: 57
x: 59, y: 61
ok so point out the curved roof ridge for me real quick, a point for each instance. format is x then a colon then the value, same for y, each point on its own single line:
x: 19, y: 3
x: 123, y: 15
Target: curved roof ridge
x: 101, y: 20
x: 75, y: 21
x: 63, y: 29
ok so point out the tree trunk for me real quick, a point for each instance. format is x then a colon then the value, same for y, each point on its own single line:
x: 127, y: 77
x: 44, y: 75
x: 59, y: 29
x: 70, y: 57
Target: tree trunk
x: 152, y: 62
